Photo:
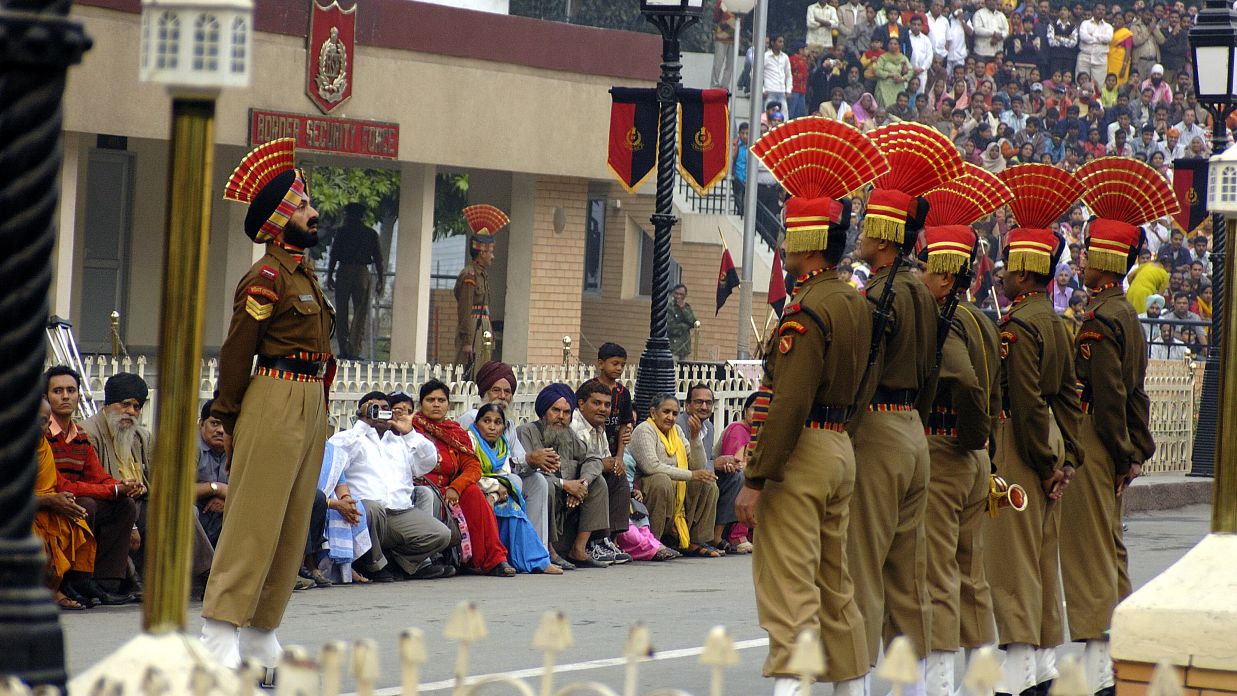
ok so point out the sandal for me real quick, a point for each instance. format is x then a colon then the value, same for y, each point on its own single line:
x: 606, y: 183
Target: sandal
x: 666, y: 553
x: 743, y: 548
x: 550, y: 569
x: 502, y: 570
x: 726, y: 548
x: 359, y: 579
x: 64, y: 602
x: 700, y: 551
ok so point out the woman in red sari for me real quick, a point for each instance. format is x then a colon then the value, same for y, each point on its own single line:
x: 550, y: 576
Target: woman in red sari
x: 456, y: 478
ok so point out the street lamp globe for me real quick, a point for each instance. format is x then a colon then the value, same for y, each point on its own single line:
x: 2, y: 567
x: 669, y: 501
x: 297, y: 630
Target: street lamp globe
x: 738, y: 6
x: 196, y: 46
x: 672, y: 7
x: 1222, y: 183
x: 1213, y: 41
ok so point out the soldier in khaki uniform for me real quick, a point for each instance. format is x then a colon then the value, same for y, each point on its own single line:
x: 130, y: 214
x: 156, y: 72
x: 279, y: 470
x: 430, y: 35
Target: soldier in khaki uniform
x: 275, y: 418
x: 474, y: 338
x: 1111, y: 363
x: 964, y: 409
x: 801, y: 469
x: 1036, y: 437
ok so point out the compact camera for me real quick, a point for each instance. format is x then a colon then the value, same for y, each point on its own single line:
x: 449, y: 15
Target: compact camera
x: 376, y: 412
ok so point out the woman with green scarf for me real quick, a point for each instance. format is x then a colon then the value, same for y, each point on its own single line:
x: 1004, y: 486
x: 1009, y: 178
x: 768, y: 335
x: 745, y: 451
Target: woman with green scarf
x: 673, y: 476
x: 524, y: 548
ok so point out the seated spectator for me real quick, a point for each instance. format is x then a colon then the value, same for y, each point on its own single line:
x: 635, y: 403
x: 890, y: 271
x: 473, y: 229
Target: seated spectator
x: 836, y: 107
x: 380, y: 458
x: 125, y: 449
x: 1199, y: 253
x: 580, y: 504
x: 1075, y: 314
x: 211, y: 489
x: 679, y: 490
x: 345, y: 524
x: 698, y: 415
x: 992, y: 159
x: 864, y: 112
x: 60, y: 523
x: 1146, y: 144
x: 1168, y: 347
x: 455, y: 477
x: 1155, y: 306
x: 1175, y: 255
x: 1181, y: 309
x: 525, y: 550
x: 1199, y: 273
x: 110, y: 506
x: 734, y: 442
x: 1194, y: 339
x: 1120, y: 146
x: 588, y: 422
x: 497, y: 384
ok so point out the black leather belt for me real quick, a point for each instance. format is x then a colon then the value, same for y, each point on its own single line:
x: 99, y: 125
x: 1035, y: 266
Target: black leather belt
x: 308, y: 368
x: 822, y: 415
x: 942, y: 420
x: 895, y: 397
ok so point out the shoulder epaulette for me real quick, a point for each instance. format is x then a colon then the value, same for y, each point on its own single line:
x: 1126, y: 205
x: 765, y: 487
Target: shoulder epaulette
x: 268, y: 272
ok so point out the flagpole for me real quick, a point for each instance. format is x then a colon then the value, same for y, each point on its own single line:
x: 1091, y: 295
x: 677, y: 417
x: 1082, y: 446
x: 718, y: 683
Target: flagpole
x: 759, y: 27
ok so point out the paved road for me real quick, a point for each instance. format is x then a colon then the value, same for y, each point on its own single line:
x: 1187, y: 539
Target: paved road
x: 679, y: 601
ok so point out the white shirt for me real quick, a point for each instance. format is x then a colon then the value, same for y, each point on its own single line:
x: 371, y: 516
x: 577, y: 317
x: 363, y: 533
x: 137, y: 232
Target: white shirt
x: 986, y: 23
x: 957, y: 38
x: 383, y: 468
x: 938, y: 31
x: 921, y: 54
x: 818, y: 32
x: 1093, y: 37
x: 594, y: 438
x: 777, y: 73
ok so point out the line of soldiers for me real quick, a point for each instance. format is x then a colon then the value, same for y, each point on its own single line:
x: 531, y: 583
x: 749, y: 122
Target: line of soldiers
x: 886, y: 428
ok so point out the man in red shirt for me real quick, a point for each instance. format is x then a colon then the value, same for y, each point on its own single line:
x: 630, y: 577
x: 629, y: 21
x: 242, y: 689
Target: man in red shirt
x: 110, y: 507
x: 798, y: 77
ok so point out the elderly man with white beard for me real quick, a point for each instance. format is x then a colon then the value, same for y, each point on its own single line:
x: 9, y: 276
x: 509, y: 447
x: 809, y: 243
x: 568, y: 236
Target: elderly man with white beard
x: 125, y: 449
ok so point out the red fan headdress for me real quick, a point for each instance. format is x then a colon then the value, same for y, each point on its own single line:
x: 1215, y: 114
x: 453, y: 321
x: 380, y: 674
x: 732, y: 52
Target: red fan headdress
x: 268, y: 180
x: 1041, y: 194
x: 817, y: 160
x: 920, y: 159
x: 952, y: 209
x: 485, y: 221
x: 1123, y: 193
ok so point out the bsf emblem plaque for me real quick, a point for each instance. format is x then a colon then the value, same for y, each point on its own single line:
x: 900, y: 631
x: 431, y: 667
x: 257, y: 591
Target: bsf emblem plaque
x: 330, y: 54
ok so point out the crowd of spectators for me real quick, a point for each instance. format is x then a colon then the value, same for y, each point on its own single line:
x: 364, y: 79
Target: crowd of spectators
x: 407, y: 492
x: 1009, y: 82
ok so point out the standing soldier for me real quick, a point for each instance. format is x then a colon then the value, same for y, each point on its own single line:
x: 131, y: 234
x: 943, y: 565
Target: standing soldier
x: 275, y: 418
x: 355, y: 247
x: 1111, y: 362
x: 474, y: 337
x: 680, y: 322
x: 1037, y: 434
x: 964, y: 409
x: 887, y: 546
x: 801, y: 470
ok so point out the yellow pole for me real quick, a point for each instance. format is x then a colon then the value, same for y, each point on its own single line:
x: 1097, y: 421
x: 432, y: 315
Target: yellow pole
x: 1224, y: 496
x: 169, y: 539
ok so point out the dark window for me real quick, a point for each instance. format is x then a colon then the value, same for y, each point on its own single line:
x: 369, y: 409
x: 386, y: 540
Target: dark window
x: 646, y: 267
x: 594, y: 243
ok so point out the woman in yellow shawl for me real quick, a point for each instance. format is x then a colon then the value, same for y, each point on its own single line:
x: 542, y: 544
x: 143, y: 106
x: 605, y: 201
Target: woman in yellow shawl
x: 672, y: 473
x: 1148, y: 278
x: 60, y: 522
x: 1120, y: 49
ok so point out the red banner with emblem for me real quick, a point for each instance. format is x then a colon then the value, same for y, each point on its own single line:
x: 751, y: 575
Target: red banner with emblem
x: 331, y: 54
x: 633, y: 135
x: 704, y: 136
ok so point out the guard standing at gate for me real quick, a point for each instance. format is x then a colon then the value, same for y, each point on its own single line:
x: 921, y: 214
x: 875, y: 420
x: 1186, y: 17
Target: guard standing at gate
x: 275, y: 418
x: 801, y: 469
x: 355, y: 247
x: 1111, y: 363
x: 474, y: 335
x: 1037, y: 444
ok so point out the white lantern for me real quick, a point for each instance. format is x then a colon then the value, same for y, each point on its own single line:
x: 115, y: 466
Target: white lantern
x: 196, y: 47
x: 672, y: 7
x: 738, y: 6
x: 1222, y: 182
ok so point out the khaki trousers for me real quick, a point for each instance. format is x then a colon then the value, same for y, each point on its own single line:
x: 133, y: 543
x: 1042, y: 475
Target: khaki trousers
x: 1021, y: 553
x: 799, y: 562
x: 699, y: 508
x: 887, y: 543
x: 1089, y: 552
x: 957, y: 501
x: 277, y: 451
x: 1124, y: 588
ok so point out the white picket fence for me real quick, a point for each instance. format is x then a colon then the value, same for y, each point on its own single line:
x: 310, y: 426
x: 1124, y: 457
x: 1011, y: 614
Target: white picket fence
x: 1170, y: 385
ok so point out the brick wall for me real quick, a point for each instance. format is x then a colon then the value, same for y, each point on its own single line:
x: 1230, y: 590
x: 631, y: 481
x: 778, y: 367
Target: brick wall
x: 1134, y: 679
x: 558, y: 268
x: 625, y: 320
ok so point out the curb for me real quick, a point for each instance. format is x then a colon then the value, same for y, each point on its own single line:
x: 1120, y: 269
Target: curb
x: 1166, y: 492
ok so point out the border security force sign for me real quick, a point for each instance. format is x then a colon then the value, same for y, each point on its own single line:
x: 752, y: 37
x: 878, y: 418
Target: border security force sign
x: 330, y: 54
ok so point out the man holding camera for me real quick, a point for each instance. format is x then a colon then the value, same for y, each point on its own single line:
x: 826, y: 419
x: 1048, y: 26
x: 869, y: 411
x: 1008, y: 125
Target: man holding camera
x: 384, y: 456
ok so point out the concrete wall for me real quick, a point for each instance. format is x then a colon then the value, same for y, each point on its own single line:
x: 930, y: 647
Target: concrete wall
x: 498, y: 6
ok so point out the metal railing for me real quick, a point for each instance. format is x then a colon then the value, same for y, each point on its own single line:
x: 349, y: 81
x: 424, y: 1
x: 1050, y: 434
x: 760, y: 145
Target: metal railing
x: 720, y: 201
x: 1161, y: 349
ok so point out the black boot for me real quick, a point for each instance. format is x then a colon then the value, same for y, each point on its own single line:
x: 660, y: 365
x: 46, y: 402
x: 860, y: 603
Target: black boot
x: 1107, y: 691
x: 1042, y: 688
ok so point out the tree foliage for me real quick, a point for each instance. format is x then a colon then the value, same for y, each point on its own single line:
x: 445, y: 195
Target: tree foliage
x: 450, y: 199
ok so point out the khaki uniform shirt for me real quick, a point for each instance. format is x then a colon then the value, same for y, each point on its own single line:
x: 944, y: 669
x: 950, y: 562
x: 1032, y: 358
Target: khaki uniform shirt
x: 970, y: 377
x: 472, y: 306
x: 1111, y: 363
x: 816, y: 360
x: 1037, y: 374
x: 909, y: 353
x: 279, y: 311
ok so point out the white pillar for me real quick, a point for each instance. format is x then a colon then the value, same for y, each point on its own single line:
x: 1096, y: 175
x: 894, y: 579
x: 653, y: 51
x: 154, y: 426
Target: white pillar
x: 411, y: 309
x: 66, y: 233
x: 522, y: 236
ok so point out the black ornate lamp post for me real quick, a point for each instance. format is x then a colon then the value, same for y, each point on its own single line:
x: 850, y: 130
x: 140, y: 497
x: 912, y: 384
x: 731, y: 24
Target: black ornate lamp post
x: 37, y: 45
x: 1213, y: 43
x: 671, y: 17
